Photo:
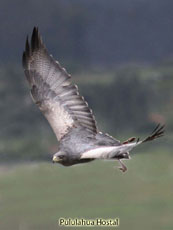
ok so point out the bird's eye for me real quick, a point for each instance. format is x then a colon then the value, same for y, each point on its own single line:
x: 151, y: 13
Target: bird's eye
x: 61, y: 156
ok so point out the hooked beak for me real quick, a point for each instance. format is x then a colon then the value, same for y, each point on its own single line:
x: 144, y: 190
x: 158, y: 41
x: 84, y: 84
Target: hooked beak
x: 55, y: 159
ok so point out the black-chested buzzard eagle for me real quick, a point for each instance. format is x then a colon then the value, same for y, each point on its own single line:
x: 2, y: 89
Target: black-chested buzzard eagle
x: 68, y: 113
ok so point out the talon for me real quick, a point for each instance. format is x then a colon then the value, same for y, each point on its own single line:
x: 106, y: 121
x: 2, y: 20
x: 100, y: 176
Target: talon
x: 123, y: 168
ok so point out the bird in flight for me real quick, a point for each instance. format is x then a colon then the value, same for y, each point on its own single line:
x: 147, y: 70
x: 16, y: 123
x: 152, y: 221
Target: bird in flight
x: 68, y: 113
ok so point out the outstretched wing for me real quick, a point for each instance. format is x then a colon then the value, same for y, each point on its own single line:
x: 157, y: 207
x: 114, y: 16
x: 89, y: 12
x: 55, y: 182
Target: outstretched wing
x: 52, y: 90
x: 108, y: 152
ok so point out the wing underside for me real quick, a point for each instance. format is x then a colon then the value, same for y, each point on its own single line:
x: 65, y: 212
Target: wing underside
x: 110, y: 152
x: 52, y: 90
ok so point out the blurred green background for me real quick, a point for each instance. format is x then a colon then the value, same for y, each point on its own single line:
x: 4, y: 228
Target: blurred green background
x: 120, y: 54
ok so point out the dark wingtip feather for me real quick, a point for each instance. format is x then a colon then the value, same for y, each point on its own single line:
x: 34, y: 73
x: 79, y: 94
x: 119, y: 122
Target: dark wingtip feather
x: 24, y: 60
x: 27, y: 48
x: 26, y: 53
x: 35, y: 39
x: 36, y: 43
x: 157, y: 132
x: 156, y: 128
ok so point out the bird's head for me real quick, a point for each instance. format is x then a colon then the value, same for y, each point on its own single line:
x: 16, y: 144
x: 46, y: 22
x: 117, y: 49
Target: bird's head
x: 59, y: 157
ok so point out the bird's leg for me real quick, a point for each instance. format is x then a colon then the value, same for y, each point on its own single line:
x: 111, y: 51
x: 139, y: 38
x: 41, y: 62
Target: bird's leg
x: 129, y: 140
x: 123, y: 167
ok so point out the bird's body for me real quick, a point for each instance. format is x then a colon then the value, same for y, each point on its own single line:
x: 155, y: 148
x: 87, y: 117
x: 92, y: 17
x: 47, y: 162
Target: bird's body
x: 79, y: 141
x: 68, y: 113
